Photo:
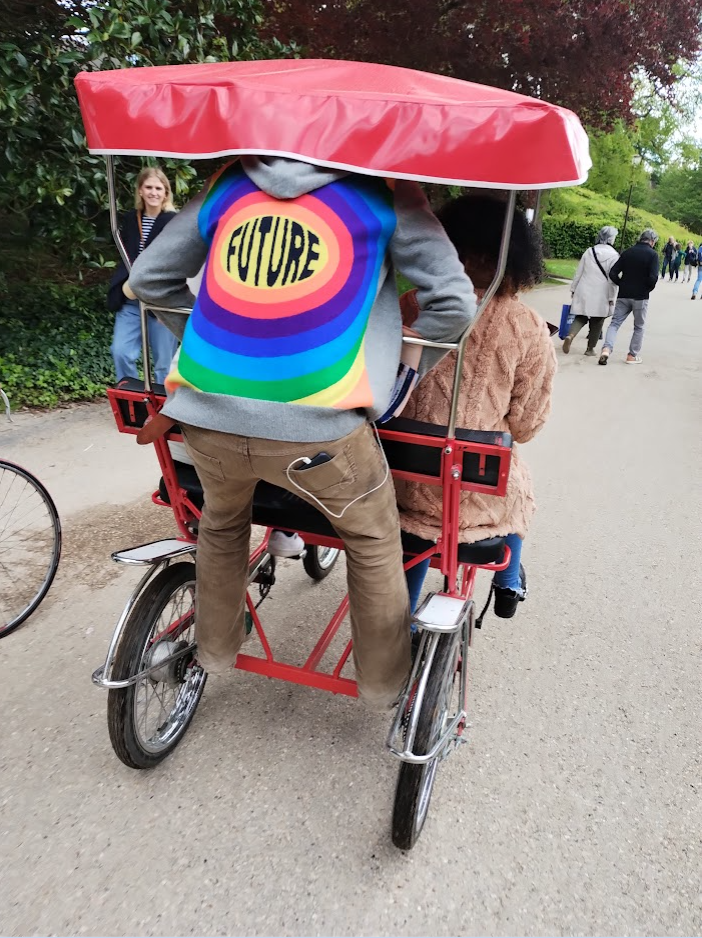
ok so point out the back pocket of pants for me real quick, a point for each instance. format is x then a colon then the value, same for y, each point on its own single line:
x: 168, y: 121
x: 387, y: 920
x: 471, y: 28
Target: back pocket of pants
x: 329, y: 477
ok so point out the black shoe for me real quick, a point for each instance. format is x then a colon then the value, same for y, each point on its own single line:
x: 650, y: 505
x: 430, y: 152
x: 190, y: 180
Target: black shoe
x: 506, y: 600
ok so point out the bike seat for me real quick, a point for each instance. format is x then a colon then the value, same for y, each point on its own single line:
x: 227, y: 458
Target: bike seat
x: 275, y: 507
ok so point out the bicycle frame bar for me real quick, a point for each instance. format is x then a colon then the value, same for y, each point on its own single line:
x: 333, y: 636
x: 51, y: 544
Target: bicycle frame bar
x: 117, y: 237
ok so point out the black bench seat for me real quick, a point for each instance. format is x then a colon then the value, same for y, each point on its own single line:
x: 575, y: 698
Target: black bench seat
x: 275, y: 507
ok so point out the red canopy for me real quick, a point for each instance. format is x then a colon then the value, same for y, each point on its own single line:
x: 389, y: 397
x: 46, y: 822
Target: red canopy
x: 375, y: 119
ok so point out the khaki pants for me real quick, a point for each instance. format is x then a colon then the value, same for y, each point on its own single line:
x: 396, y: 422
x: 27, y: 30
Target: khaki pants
x: 229, y: 467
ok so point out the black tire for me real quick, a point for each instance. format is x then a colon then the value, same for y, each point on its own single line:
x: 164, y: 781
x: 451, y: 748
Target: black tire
x: 416, y: 782
x: 319, y: 561
x: 172, y: 591
x: 30, y: 545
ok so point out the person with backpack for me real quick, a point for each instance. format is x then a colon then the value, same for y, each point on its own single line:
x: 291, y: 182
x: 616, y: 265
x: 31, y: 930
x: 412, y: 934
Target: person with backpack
x: 690, y: 261
x: 592, y: 292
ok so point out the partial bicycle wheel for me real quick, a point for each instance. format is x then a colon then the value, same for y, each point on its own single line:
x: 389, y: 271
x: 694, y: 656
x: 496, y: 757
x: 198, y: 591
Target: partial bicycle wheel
x: 148, y: 719
x: 30, y: 545
x: 415, y: 783
x: 319, y: 561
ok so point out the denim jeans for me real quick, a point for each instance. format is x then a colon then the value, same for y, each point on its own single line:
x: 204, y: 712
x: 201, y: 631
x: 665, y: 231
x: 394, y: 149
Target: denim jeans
x: 698, y: 281
x: 621, y: 311
x: 506, y: 579
x: 126, y: 343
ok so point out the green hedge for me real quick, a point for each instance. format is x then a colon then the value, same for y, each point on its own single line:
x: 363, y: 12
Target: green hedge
x: 54, y: 343
x: 564, y: 237
x: 574, y: 216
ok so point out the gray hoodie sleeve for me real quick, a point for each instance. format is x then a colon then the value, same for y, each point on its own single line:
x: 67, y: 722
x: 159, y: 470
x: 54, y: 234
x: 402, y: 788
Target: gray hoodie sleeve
x: 159, y: 273
x: 421, y: 250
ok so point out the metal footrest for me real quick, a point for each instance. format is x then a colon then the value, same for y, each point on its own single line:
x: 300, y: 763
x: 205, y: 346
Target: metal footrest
x: 441, y: 613
x: 155, y: 552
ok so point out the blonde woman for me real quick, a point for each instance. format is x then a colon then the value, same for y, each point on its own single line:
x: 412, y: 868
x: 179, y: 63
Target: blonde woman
x: 153, y: 209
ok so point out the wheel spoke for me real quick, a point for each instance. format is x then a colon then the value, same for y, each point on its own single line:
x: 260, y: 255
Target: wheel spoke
x: 172, y: 623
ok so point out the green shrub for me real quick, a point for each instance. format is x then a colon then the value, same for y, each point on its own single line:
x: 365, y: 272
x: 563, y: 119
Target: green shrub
x: 54, y: 343
x: 574, y: 216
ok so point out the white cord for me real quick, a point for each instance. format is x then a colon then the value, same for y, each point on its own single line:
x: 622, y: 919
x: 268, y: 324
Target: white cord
x: 353, y: 502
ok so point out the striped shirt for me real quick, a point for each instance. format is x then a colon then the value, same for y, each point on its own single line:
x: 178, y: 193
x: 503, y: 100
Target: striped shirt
x: 147, y: 223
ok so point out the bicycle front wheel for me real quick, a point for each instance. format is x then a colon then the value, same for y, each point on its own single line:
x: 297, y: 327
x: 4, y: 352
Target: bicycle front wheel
x: 30, y: 545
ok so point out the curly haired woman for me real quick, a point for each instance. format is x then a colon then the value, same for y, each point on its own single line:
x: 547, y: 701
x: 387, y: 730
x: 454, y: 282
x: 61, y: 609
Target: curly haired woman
x: 507, y: 379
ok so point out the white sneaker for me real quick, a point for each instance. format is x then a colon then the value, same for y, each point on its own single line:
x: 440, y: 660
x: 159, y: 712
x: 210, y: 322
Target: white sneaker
x: 281, y: 544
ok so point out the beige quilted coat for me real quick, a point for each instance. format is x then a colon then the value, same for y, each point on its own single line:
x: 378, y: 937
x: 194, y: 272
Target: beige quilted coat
x: 508, y: 374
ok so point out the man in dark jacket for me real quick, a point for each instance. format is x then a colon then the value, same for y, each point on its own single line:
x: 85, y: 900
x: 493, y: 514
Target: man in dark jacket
x: 636, y: 274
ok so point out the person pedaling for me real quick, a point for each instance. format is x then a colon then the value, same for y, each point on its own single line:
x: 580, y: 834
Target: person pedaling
x: 296, y: 331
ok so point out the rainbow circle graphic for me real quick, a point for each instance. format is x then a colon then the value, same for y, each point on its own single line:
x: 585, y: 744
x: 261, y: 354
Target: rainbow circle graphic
x: 288, y: 288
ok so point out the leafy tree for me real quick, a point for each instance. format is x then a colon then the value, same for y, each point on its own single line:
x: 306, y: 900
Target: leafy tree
x: 678, y: 195
x: 612, y: 161
x: 48, y: 181
x: 580, y: 53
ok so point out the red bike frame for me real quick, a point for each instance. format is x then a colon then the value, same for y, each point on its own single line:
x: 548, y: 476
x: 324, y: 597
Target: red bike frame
x: 132, y: 407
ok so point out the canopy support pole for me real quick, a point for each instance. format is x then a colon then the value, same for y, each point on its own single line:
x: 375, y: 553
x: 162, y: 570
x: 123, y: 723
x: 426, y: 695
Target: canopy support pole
x: 117, y: 237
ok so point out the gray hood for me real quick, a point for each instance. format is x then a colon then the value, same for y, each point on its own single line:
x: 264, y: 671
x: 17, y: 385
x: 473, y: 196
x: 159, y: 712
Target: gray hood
x: 284, y: 178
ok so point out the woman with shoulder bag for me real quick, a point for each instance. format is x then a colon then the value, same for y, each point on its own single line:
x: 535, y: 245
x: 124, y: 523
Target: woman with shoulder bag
x: 592, y: 292
x: 153, y: 209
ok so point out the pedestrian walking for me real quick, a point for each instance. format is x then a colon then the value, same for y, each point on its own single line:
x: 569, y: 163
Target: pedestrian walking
x: 153, y: 210
x: 690, y: 261
x: 698, y: 281
x: 636, y: 273
x: 592, y: 292
x: 678, y: 258
x: 668, y: 253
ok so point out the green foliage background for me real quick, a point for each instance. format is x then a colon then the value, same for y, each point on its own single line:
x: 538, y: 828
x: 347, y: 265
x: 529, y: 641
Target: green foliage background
x: 54, y: 343
x: 55, y: 247
x: 574, y: 216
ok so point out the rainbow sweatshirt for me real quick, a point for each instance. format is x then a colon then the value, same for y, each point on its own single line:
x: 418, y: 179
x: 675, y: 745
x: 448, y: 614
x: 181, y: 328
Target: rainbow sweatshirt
x: 295, y: 333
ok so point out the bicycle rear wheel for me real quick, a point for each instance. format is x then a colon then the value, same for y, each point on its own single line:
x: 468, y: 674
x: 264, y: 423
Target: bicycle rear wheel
x: 149, y: 718
x: 30, y: 545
